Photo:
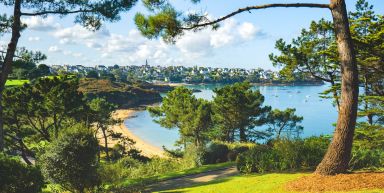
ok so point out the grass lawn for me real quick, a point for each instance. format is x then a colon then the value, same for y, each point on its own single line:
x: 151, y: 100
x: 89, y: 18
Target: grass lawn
x: 16, y: 82
x: 196, y: 170
x: 177, y: 174
x: 266, y: 183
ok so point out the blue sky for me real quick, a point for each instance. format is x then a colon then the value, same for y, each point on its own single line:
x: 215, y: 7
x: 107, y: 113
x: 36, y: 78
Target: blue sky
x: 244, y: 41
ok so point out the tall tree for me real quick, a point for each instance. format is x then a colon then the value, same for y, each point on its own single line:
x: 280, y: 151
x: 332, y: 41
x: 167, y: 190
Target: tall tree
x: 367, y: 33
x: 314, y: 53
x: 71, y: 160
x: 284, y: 122
x: 38, y: 112
x: 181, y: 110
x: 101, y: 116
x: 166, y: 22
x: 88, y: 13
x: 238, y: 109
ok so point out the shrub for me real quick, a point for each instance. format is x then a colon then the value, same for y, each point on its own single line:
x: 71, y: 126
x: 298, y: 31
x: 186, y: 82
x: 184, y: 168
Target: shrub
x: 235, y: 151
x: 288, y: 154
x: 313, y: 151
x: 367, y: 158
x: 17, y: 177
x: 257, y: 159
x: 194, y: 156
x: 71, y: 160
x: 219, y: 151
x: 216, y: 153
x: 113, y: 172
x: 284, y: 154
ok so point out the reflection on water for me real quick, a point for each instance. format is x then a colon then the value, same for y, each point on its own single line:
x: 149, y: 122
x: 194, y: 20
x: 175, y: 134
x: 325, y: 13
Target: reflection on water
x: 318, y: 113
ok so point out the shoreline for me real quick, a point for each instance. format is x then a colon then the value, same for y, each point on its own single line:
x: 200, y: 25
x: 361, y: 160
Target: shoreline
x: 174, y: 84
x: 146, y: 148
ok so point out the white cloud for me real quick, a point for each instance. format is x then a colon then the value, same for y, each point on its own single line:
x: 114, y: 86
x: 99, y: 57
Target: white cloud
x: 33, y: 39
x: 54, y: 49
x: 133, y: 48
x: 247, y: 30
x: 41, y: 24
x: 77, y: 55
x: 194, y: 44
x: 80, y: 35
x: 202, y: 43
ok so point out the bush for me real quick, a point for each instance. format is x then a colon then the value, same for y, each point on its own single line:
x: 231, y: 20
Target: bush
x: 113, y: 172
x: 17, y: 177
x: 71, y: 160
x: 194, y: 156
x: 313, y: 151
x: 284, y: 154
x: 288, y: 154
x: 235, y: 151
x: 216, y: 153
x: 257, y: 159
x: 363, y: 158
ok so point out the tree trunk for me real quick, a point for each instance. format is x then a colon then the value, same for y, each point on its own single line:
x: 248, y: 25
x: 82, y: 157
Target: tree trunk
x: 105, y: 143
x: 339, y: 152
x: 243, y: 136
x: 8, y: 60
x: 366, y: 103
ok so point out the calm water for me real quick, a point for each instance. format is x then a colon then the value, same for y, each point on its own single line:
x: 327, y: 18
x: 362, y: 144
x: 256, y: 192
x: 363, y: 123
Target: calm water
x: 318, y: 113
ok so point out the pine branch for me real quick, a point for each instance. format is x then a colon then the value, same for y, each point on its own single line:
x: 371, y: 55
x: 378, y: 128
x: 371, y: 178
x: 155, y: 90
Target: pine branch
x: 249, y: 8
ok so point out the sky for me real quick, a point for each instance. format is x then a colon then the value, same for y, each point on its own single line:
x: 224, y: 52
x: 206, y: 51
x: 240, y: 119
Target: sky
x: 244, y: 41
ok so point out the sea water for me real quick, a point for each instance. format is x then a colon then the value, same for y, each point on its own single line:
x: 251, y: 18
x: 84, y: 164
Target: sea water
x: 319, y: 113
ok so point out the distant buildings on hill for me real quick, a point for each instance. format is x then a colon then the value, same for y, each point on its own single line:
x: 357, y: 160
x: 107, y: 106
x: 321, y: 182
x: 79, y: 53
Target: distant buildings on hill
x: 173, y: 73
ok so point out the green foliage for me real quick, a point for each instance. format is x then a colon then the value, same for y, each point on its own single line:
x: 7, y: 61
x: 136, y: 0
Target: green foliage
x: 88, y: 14
x: 17, y: 177
x: 174, y: 153
x: 363, y: 158
x: 16, y: 82
x: 110, y: 173
x: 367, y: 152
x: 257, y: 159
x: 164, y: 24
x: 71, y: 160
x: 180, y: 109
x: 283, y: 155
x: 284, y: 123
x: 237, y: 110
x: 101, y: 116
x: 216, y: 153
x: 194, y: 155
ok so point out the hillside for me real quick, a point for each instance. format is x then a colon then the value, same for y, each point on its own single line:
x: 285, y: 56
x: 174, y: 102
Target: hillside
x: 122, y: 94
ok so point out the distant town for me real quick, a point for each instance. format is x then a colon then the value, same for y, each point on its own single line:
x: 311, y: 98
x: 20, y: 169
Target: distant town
x: 176, y: 74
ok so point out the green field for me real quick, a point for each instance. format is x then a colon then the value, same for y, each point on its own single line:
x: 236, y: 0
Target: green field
x: 16, y: 82
x: 262, y: 183
x: 172, y: 175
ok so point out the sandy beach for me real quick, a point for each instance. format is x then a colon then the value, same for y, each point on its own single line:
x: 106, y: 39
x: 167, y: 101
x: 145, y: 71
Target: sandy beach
x: 146, y: 148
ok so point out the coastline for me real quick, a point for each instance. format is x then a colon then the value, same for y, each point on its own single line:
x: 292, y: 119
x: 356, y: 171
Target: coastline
x: 146, y: 149
x: 173, y: 84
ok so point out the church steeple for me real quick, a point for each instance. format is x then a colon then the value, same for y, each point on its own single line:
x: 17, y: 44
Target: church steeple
x: 146, y: 62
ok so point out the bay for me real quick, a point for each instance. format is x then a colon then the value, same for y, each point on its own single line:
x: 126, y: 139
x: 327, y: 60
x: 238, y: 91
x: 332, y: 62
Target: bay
x: 319, y: 114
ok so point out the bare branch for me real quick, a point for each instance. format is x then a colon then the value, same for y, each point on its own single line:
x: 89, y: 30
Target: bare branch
x: 57, y: 12
x: 249, y: 8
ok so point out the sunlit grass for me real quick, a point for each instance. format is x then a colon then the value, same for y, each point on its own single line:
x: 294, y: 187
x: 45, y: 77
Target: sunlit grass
x: 172, y: 175
x: 16, y: 82
x: 267, y: 183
